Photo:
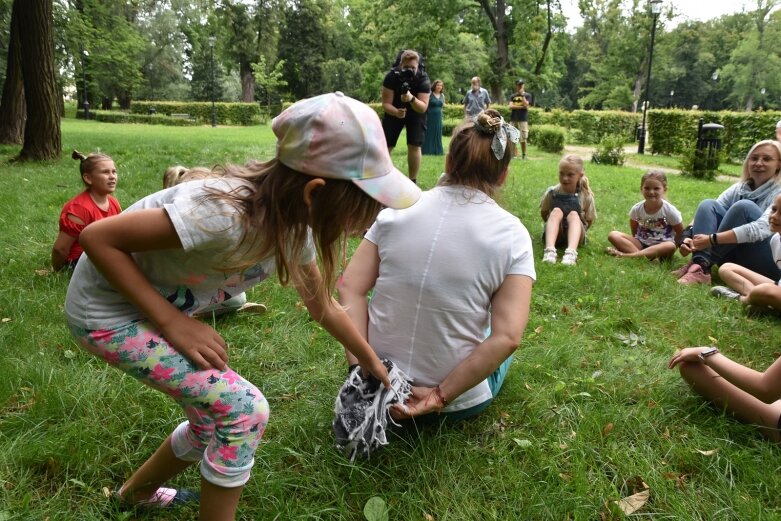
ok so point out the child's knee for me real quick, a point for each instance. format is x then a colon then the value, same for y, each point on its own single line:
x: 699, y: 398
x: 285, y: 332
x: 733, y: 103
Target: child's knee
x: 727, y: 267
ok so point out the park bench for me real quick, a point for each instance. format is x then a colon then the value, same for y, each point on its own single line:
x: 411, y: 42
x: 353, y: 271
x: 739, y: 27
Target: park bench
x: 183, y: 116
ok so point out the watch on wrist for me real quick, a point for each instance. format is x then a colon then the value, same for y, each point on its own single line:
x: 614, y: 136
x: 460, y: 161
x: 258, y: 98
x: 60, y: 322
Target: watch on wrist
x: 705, y: 353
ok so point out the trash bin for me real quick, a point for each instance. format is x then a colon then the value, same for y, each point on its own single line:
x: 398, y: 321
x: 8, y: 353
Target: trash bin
x: 708, y: 146
x: 152, y: 111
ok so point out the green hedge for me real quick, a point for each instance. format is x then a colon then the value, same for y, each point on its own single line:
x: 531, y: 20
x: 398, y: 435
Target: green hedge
x: 114, y: 116
x: 675, y: 131
x: 549, y: 138
x: 226, y: 113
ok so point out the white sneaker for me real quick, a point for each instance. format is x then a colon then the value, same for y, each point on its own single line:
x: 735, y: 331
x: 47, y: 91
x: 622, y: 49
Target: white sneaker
x: 724, y: 292
x: 549, y: 255
x: 570, y: 257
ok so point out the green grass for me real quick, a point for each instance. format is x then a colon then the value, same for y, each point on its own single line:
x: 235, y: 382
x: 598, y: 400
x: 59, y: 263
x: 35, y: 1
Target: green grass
x: 581, y: 418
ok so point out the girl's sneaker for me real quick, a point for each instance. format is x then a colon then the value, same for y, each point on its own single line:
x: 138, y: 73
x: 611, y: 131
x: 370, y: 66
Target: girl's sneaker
x: 570, y: 257
x: 549, y: 255
x: 683, y: 270
x: 724, y: 292
x: 695, y: 275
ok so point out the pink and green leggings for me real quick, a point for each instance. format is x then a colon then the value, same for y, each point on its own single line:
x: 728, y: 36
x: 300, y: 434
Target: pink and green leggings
x: 226, y: 414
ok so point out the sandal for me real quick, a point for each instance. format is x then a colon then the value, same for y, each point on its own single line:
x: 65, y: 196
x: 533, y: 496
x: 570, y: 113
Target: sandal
x: 163, y: 498
x: 614, y: 252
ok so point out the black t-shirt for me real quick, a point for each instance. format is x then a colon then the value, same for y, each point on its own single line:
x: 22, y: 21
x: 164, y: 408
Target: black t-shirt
x: 393, y: 81
x: 520, y: 114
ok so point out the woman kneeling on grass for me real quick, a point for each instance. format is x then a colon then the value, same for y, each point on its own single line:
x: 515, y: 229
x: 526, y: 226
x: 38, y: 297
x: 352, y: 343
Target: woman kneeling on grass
x: 751, y: 396
x: 176, y: 252
x: 444, y: 271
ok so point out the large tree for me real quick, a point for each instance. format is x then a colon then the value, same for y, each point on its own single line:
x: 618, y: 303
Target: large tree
x: 42, y: 138
x: 12, y: 105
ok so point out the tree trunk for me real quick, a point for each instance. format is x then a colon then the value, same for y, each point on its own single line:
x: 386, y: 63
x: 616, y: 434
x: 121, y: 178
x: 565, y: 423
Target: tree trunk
x: 12, y: 105
x: 42, y: 138
x: 496, y: 17
x: 247, y: 82
x: 545, y: 43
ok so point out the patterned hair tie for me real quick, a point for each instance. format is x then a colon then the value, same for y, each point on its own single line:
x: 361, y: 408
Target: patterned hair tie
x: 501, y: 131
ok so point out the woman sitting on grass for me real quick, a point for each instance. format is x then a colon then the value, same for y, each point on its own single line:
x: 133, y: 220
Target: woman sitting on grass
x: 752, y: 397
x: 442, y: 272
x: 99, y: 175
x: 655, y: 223
x: 733, y: 227
x: 753, y: 289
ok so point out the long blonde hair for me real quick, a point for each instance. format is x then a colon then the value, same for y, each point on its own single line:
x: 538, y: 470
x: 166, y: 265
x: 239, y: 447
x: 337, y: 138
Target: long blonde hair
x: 274, y: 207
x: 577, y: 162
x: 180, y: 174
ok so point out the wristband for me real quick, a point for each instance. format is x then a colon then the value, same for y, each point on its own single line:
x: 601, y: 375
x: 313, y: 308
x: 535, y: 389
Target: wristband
x: 714, y: 239
x: 705, y: 353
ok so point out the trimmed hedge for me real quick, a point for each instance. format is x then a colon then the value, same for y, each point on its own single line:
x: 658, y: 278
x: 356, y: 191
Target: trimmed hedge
x: 675, y: 131
x: 244, y: 114
x: 114, y: 116
x: 549, y: 138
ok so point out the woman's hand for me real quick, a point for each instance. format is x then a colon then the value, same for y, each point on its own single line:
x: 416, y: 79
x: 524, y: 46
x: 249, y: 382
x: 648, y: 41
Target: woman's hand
x: 686, y: 247
x: 690, y: 354
x: 423, y: 400
x: 197, y: 341
x: 701, y: 242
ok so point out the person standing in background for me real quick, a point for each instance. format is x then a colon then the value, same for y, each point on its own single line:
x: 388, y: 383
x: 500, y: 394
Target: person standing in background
x: 432, y: 145
x: 476, y: 100
x: 519, y: 113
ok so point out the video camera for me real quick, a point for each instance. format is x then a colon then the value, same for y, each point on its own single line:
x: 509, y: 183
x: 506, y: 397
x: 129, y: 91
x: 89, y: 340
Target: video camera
x: 407, y: 77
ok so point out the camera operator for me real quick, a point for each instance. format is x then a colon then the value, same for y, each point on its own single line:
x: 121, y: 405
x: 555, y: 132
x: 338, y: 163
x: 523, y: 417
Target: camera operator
x: 405, y: 94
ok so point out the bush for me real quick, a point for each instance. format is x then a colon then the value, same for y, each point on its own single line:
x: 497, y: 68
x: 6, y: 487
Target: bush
x: 610, y: 151
x: 226, y: 113
x: 548, y: 138
x: 702, y: 164
x: 113, y: 116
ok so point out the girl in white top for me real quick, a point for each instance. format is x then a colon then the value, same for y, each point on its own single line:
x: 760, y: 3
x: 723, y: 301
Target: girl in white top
x: 171, y: 255
x: 443, y: 271
x: 655, y: 223
x: 750, y: 287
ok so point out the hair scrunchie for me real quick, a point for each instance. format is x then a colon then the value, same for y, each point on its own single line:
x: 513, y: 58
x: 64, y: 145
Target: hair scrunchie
x: 501, y: 130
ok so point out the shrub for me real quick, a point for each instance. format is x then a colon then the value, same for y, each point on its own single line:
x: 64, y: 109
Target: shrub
x: 548, y: 138
x: 113, y: 116
x: 226, y: 113
x: 702, y: 164
x: 610, y: 151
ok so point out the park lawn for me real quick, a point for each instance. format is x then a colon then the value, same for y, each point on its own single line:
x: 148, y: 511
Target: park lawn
x: 588, y: 412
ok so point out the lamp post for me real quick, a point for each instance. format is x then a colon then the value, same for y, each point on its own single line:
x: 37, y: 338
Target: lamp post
x: 656, y: 8
x: 83, y: 54
x: 211, y: 81
x: 672, y: 93
x: 762, y: 91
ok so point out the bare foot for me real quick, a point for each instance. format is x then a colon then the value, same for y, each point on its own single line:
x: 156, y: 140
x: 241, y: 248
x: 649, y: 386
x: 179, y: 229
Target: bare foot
x: 614, y: 252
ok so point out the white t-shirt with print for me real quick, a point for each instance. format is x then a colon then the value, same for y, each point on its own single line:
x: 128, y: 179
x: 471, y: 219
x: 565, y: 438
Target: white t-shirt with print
x: 656, y: 227
x: 210, y: 231
x: 441, y: 261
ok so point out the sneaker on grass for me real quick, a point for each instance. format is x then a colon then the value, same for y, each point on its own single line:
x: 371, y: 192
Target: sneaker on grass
x: 549, y: 255
x: 695, y: 275
x: 683, y: 270
x: 724, y: 292
x: 570, y: 257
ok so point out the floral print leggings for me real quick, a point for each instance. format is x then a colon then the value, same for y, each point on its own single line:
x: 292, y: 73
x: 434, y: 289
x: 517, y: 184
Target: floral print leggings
x: 226, y: 414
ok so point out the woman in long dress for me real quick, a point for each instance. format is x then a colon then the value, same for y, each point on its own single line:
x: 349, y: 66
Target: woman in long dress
x: 432, y: 145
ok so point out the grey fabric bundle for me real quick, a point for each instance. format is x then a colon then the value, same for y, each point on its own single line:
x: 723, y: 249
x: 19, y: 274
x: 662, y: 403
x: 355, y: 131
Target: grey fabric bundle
x: 362, y: 410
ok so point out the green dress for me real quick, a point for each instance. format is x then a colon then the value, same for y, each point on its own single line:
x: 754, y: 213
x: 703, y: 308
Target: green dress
x: 432, y: 144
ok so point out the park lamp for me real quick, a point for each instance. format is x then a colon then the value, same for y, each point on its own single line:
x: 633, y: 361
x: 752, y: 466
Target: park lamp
x: 656, y: 9
x: 212, y: 39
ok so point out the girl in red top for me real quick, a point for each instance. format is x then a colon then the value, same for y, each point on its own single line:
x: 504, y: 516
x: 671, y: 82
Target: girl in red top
x: 99, y: 175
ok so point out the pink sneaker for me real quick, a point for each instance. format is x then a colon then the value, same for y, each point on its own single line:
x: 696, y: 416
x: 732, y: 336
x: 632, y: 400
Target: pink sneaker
x: 683, y: 270
x: 695, y: 275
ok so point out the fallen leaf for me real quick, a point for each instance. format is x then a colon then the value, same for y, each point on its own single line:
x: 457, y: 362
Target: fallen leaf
x: 528, y: 387
x: 635, y: 502
x: 375, y: 509
x: 607, y: 429
x: 566, y: 476
x: 42, y: 273
x: 538, y: 329
x: 524, y: 444
x: 563, y: 446
x: 565, y: 309
x: 708, y: 452
x: 666, y: 434
x: 6, y: 319
x: 429, y: 517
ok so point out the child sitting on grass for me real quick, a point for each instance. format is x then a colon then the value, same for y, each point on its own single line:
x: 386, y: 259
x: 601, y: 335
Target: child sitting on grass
x: 655, y: 223
x: 749, y: 287
x: 568, y: 211
x: 99, y: 176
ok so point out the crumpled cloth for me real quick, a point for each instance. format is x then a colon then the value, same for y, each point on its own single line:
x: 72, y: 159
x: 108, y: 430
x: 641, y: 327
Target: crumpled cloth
x: 362, y: 410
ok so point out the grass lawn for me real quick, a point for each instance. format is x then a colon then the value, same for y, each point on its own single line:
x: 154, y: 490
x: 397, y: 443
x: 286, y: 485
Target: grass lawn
x: 588, y: 411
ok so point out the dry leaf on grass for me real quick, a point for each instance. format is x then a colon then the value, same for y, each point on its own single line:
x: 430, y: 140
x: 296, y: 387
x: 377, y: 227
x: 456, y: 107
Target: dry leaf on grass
x: 635, y: 502
x: 42, y: 273
x: 708, y: 452
x: 6, y: 319
x: 607, y: 429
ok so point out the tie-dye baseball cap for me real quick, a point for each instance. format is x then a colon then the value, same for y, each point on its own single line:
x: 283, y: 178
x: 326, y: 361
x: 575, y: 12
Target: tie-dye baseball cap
x: 337, y: 137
